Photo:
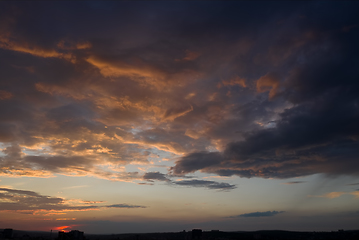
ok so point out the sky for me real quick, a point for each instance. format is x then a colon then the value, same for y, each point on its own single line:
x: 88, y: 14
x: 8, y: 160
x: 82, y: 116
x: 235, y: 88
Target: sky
x: 144, y: 116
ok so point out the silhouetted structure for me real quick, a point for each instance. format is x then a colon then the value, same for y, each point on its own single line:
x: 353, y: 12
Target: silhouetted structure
x: 202, y: 235
x: 197, y: 234
x: 72, y: 235
x: 7, y: 233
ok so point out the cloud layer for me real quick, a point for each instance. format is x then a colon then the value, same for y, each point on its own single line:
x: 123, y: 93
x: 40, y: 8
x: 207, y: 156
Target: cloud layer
x: 157, y: 176
x: 260, y: 214
x: 216, y: 91
x: 29, y: 202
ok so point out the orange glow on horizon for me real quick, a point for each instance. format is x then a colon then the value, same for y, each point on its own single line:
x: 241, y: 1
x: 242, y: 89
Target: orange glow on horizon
x: 62, y: 228
x: 66, y: 228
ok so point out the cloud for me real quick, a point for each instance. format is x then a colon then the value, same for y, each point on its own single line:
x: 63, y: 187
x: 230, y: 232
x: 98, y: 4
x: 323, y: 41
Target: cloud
x: 123, y: 206
x: 205, y: 184
x: 235, y: 81
x: 5, y: 95
x: 355, y: 193
x: 352, y: 184
x: 173, y: 113
x: 114, y: 86
x: 10, y: 42
x: 259, y: 214
x: 150, y: 176
x: 24, y: 192
x: 23, y: 201
x: 294, y: 182
x: 105, y: 97
x: 332, y: 195
x: 196, y: 161
x: 269, y: 82
x: 117, y: 68
x: 326, y: 136
x: 32, y: 49
x: 190, y: 56
x: 69, y: 45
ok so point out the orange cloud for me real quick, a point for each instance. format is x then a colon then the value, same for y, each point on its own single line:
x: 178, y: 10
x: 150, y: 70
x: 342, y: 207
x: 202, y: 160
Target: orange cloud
x: 5, y: 95
x: 141, y: 73
x: 355, y: 193
x: 235, y: 81
x: 53, y: 89
x: 65, y: 219
x: 9, y: 42
x: 83, y: 45
x: 13, y: 172
x: 190, y: 56
x: 338, y: 194
x: 171, y: 146
x: 174, y: 113
x: 332, y: 195
x: 34, y: 50
x: 268, y: 82
x: 193, y: 134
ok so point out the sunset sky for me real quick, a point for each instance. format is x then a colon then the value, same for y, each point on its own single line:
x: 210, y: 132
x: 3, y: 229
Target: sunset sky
x: 140, y: 116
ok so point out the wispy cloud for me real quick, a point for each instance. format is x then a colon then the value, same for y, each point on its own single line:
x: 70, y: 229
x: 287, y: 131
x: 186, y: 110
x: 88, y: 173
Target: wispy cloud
x: 259, y: 214
x: 294, y: 182
x: 332, y: 195
x: 205, y: 184
x: 152, y: 176
x: 123, y: 206
x: 352, y: 184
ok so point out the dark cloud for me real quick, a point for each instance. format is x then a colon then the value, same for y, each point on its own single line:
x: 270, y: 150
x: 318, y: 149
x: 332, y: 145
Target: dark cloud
x: 352, y: 184
x: 294, y: 182
x: 309, y: 137
x: 306, y: 137
x: 270, y: 96
x: 13, y: 199
x: 24, y: 201
x: 259, y: 214
x: 56, y: 163
x: 124, y: 206
x: 205, y: 184
x: 24, y: 192
x: 150, y: 176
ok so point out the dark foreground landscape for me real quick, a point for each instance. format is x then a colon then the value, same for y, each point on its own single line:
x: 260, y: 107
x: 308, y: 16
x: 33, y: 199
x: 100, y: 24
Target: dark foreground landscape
x: 184, y: 235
